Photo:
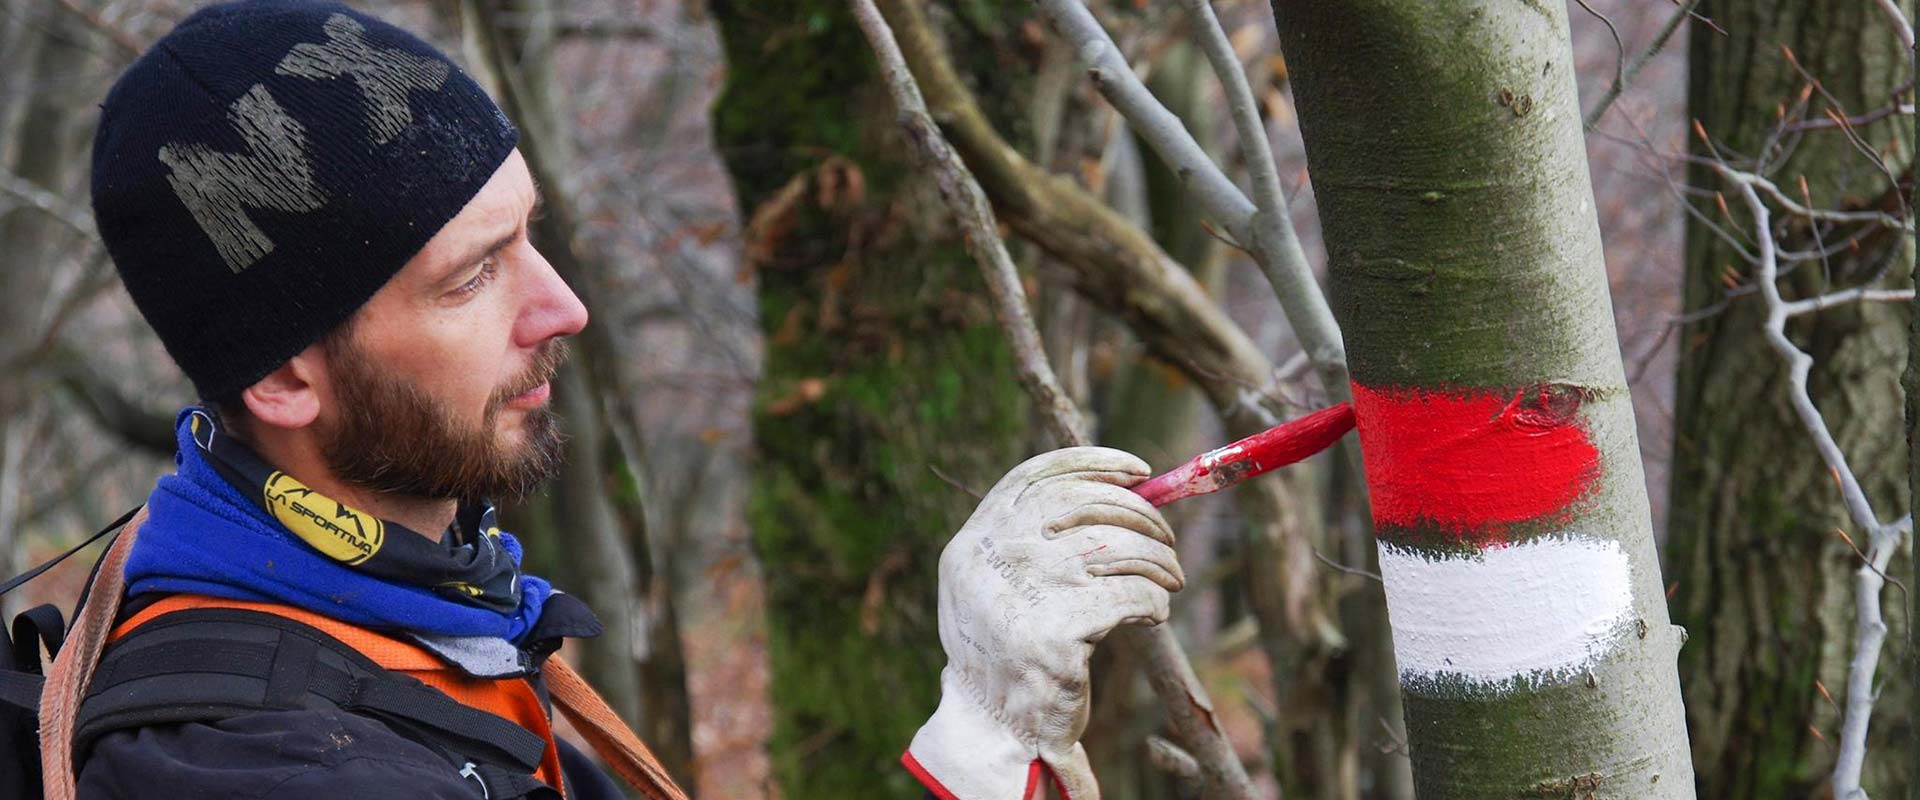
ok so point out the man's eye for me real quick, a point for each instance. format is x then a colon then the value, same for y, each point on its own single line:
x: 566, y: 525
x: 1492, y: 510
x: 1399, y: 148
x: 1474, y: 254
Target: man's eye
x: 488, y: 268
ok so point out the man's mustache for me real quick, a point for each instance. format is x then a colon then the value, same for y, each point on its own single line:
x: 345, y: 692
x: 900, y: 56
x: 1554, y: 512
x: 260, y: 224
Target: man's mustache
x: 546, y: 364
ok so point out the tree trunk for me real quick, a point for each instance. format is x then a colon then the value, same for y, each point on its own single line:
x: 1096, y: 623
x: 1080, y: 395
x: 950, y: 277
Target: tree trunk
x: 598, y: 506
x: 585, y: 523
x: 1911, y: 383
x: 1530, y: 628
x: 1763, y: 583
x: 883, y: 363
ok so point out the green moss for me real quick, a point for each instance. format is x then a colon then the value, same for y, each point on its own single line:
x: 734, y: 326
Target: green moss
x: 908, y: 371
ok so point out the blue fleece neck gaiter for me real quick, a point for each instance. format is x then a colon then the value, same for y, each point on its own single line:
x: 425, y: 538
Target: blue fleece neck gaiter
x: 203, y: 536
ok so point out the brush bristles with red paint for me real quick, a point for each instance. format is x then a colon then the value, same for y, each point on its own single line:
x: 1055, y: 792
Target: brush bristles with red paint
x: 1270, y: 449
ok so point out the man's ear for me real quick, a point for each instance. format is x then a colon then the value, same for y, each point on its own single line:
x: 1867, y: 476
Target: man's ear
x: 289, y: 397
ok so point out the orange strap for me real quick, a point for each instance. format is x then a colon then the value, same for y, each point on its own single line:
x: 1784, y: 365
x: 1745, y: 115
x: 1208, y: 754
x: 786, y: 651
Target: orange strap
x: 72, y: 671
x: 510, y: 699
x: 610, y: 737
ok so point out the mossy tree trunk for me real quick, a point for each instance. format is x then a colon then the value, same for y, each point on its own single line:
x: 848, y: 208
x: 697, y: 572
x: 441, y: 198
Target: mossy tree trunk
x: 883, y: 363
x: 1530, y: 628
x: 1763, y: 584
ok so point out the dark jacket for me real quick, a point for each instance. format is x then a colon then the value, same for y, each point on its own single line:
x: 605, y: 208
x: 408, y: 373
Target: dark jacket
x: 330, y: 754
x: 293, y: 755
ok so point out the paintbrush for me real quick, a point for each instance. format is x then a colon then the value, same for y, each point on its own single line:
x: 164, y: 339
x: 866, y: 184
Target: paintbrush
x: 1272, y: 448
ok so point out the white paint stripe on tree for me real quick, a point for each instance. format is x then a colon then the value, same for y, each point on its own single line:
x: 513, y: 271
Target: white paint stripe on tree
x: 1527, y: 613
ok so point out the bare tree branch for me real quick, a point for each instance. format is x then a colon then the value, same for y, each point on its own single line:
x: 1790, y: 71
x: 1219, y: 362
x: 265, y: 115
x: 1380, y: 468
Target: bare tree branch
x: 1853, y: 121
x: 1247, y: 124
x: 1263, y: 228
x: 1882, y: 538
x: 1162, y: 130
x: 48, y: 203
x: 1840, y: 298
x: 1166, y: 664
x: 1900, y: 24
x: 968, y: 203
x: 1619, y: 56
x: 1623, y: 77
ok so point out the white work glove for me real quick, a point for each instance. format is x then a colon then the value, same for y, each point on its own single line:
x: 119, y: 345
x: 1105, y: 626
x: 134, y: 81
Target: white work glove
x: 1058, y: 554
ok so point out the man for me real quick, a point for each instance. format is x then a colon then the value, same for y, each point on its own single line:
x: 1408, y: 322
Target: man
x: 325, y: 222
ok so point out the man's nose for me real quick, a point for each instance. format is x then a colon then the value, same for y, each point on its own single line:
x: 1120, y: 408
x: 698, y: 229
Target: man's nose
x: 553, y: 309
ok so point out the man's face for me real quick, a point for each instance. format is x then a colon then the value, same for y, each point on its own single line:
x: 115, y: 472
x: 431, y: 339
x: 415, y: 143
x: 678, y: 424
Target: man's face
x: 438, y: 386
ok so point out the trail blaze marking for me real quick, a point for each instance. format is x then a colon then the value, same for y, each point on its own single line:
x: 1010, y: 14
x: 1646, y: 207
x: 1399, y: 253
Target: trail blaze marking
x: 1473, y: 462
x: 1528, y: 612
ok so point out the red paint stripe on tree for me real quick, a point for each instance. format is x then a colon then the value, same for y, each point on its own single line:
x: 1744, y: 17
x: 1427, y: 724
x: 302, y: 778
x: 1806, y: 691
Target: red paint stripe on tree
x: 1474, y: 462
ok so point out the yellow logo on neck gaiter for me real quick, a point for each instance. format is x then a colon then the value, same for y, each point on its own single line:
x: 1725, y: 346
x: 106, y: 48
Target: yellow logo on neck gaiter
x: 340, y: 532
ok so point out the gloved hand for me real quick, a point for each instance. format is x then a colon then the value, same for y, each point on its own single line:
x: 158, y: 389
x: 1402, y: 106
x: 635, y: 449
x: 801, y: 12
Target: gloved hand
x: 1058, y: 554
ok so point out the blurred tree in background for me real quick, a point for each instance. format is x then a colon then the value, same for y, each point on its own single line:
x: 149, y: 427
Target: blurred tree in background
x: 884, y: 371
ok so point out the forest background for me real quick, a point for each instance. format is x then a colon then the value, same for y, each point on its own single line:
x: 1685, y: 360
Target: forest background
x: 794, y: 384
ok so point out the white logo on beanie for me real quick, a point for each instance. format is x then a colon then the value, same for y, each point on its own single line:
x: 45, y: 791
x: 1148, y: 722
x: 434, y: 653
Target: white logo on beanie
x: 384, y: 75
x: 276, y: 171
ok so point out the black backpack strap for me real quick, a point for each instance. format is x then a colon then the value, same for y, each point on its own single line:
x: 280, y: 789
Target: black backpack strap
x: 34, y: 628
x: 207, y: 664
x: 15, y: 581
x: 21, y: 690
x: 20, y: 680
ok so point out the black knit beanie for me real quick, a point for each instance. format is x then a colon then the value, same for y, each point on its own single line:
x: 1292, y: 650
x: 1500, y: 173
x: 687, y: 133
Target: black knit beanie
x: 269, y: 165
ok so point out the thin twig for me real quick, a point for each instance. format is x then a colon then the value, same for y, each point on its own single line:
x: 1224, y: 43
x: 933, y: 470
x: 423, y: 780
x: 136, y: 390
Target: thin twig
x: 1276, y: 245
x: 1169, y: 758
x: 955, y: 483
x: 1166, y: 665
x: 1837, y: 112
x: 1356, y: 571
x: 1639, y: 62
x: 1856, y: 120
x: 1619, y: 58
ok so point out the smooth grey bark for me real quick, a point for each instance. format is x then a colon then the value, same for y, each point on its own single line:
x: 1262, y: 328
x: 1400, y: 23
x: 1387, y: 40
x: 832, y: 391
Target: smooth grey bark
x: 1445, y: 145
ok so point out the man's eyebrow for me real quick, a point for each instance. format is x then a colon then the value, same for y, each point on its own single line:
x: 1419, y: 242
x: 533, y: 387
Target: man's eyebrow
x: 476, y: 254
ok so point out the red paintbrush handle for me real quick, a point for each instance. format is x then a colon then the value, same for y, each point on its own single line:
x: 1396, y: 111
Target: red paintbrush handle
x: 1272, y: 448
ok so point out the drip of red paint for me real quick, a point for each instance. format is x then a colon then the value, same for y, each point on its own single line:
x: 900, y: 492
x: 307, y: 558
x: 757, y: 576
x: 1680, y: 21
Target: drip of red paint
x: 1473, y: 462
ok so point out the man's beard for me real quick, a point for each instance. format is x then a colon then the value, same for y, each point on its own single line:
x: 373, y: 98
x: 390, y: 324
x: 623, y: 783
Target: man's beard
x: 393, y: 438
